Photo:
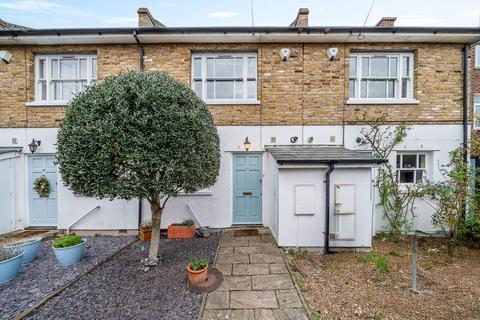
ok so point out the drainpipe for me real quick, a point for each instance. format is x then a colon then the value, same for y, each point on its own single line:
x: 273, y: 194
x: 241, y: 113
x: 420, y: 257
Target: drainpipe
x: 142, y: 54
x: 331, y: 167
x: 465, y: 102
x: 142, y: 51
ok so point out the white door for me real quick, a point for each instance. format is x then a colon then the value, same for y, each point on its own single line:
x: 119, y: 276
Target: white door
x: 6, y: 196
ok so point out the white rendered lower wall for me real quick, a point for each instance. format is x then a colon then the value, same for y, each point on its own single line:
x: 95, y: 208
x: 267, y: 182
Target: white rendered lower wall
x: 214, y: 207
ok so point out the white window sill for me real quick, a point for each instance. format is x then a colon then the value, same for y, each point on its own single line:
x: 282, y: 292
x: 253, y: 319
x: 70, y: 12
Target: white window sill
x: 382, y: 101
x: 56, y: 103
x: 214, y: 102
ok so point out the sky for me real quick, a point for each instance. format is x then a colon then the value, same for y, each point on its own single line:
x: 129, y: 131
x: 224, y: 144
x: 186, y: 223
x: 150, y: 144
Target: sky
x: 187, y: 13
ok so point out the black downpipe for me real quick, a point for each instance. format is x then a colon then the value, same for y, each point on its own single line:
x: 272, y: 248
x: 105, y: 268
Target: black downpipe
x: 142, y: 54
x: 465, y: 103
x: 331, y: 167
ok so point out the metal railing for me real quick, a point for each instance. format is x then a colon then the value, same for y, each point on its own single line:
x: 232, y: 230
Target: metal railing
x: 81, y: 218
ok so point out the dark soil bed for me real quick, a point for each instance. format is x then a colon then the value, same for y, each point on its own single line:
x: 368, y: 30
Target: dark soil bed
x: 351, y: 285
x: 118, y: 289
x: 43, y: 275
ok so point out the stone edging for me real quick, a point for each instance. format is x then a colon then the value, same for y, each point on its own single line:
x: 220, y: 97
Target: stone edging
x: 57, y: 291
x: 204, y: 295
x: 297, y: 288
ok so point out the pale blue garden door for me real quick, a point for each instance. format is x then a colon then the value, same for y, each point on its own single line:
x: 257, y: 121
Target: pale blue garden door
x: 247, y: 188
x: 43, y: 210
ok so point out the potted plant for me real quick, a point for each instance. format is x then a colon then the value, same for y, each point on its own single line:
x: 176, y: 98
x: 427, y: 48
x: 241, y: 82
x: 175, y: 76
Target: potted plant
x: 30, y: 247
x: 10, y: 262
x: 146, y: 231
x: 183, y: 230
x: 197, y: 270
x: 68, y: 249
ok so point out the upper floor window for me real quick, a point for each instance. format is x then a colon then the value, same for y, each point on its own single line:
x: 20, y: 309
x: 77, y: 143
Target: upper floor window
x: 476, y: 113
x: 477, y: 56
x: 381, y: 77
x: 411, y: 167
x: 59, y: 77
x: 220, y: 78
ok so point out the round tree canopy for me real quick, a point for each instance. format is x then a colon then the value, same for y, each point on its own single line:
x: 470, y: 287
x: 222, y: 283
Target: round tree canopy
x: 138, y: 135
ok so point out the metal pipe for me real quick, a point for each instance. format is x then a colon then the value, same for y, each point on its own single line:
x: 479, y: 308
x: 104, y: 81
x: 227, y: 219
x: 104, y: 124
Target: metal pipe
x: 142, y: 51
x: 331, y: 167
x: 465, y: 102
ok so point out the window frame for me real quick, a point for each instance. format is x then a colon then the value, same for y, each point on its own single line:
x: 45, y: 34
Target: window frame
x: 414, y: 169
x: 476, y: 57
x: 476, y: 112
x: 398, y: 79
x: 245, y: 78
x: 90, y: 58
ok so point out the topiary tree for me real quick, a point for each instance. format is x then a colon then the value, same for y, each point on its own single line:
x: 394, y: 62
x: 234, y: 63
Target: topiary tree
x: 138, y: 135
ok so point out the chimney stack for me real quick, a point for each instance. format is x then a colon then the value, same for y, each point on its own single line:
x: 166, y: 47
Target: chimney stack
x: 386, y: 22
x: 302, y: 18
x: 145, y: 19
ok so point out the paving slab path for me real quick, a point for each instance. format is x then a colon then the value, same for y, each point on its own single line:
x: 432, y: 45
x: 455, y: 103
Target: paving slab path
x: 257, y: 284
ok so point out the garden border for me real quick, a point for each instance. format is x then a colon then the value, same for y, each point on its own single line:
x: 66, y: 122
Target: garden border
x: 57, y: 291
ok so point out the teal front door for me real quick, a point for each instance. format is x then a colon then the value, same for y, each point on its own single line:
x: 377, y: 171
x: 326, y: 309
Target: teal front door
x: 247, y: 188
x: 43, y: 210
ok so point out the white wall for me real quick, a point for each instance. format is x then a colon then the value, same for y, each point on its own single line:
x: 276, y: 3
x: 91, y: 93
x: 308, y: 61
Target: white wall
x: 215, y: 208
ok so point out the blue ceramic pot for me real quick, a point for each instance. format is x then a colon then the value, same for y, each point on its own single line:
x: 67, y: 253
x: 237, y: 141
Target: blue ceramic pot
x: 9, y: 268
x: 70, y: 255
x: 29, y: 246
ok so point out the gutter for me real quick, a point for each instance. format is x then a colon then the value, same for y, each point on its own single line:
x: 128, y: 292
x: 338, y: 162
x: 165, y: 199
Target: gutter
x: 331, y: 167
x: 340, y: 161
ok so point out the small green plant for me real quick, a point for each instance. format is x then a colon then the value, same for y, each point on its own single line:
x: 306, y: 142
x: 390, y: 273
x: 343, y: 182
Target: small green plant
x: 381, y: 264
x: 98, y: 235
x: 291, y: 252
x: 299, y: 280
x: 366, y: 258
x: 67, y: 241
x: 394, y: 253
x: 427, y: 266
x: 334, y: 271
x: 185, y: 223
x: 198, y: 263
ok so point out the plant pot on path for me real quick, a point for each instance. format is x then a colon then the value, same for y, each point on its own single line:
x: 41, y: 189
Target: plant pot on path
x: 10, y: 263
x: 183, y: 230
x: 197, y: 270
x: 30, y: 246
x: 69, y: 249
x: 146, y: 231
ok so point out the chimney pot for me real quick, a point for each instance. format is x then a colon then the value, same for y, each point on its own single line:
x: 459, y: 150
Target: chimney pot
x: 386, y: 22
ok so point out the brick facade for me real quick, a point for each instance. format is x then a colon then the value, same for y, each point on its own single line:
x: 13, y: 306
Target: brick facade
x: 306, y: 89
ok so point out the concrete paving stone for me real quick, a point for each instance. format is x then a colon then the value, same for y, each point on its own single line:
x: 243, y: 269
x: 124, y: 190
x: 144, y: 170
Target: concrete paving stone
x: 253, y: 300
x: 256, y: 241
x: 217, y: 300
x: 257, y: 249
x: 288, y: 299
x: 228, y: 314
x: 240, y: 283
x: 233, y: 258
x: 264, y: 314
x: 225, y: 286
x: 272, y: 282
x: 250, y: 269
x: 226, y: 250
x: 224, y: 268
x: 290, y: 314
x: 265, y: 257
x: 277, y: 268
x: 234, y: 242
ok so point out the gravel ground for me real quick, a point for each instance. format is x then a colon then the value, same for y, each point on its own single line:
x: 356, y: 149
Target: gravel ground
x: 43, y: 275
x: 118, y: 289
x: 349, y: 286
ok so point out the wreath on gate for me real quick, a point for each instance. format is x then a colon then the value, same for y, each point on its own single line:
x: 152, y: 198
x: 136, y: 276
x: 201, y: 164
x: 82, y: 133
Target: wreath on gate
x: 42, y: 186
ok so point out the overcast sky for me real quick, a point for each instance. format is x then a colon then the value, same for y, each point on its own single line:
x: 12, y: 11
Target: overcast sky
x: 118, y: 13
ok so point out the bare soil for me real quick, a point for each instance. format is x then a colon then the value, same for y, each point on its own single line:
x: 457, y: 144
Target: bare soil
x: 349, y: 285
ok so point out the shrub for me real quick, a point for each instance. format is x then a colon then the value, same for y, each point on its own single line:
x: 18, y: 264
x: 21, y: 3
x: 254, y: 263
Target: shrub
x: 185, y: 223
x: 198, y: 263
x: 67, y: 241
x: 470, y: 230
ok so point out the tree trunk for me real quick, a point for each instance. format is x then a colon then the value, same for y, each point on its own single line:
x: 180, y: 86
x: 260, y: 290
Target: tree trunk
x: 156, y: 219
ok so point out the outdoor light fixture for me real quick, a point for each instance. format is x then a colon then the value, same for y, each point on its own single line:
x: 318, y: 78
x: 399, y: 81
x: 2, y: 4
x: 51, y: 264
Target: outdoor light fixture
x: 34, y: 145
x: 246, y: 144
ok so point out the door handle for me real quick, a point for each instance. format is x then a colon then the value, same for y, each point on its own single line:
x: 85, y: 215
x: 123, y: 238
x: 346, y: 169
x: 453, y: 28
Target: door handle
x: 247, y: 193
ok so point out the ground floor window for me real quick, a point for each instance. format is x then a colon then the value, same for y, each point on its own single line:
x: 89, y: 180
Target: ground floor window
x: 411, y: 167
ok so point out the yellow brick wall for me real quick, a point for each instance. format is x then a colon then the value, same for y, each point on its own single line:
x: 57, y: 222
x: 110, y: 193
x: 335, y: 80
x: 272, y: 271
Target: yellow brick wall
x: 307, y: 89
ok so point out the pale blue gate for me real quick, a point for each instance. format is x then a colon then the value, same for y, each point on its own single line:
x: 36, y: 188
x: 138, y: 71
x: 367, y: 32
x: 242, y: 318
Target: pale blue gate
x: 43, y: 210
x: 247, y: 188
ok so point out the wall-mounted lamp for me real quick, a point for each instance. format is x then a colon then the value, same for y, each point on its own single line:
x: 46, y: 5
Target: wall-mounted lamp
x: 246, y: 144
x: 284, y: 54
x: 34, y: 145
x: 5, y: 56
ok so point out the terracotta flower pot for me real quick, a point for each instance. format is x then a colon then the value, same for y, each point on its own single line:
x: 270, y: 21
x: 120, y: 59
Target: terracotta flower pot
x: 145, y: 234
x: 180, y: 232
x: 197, y: 276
